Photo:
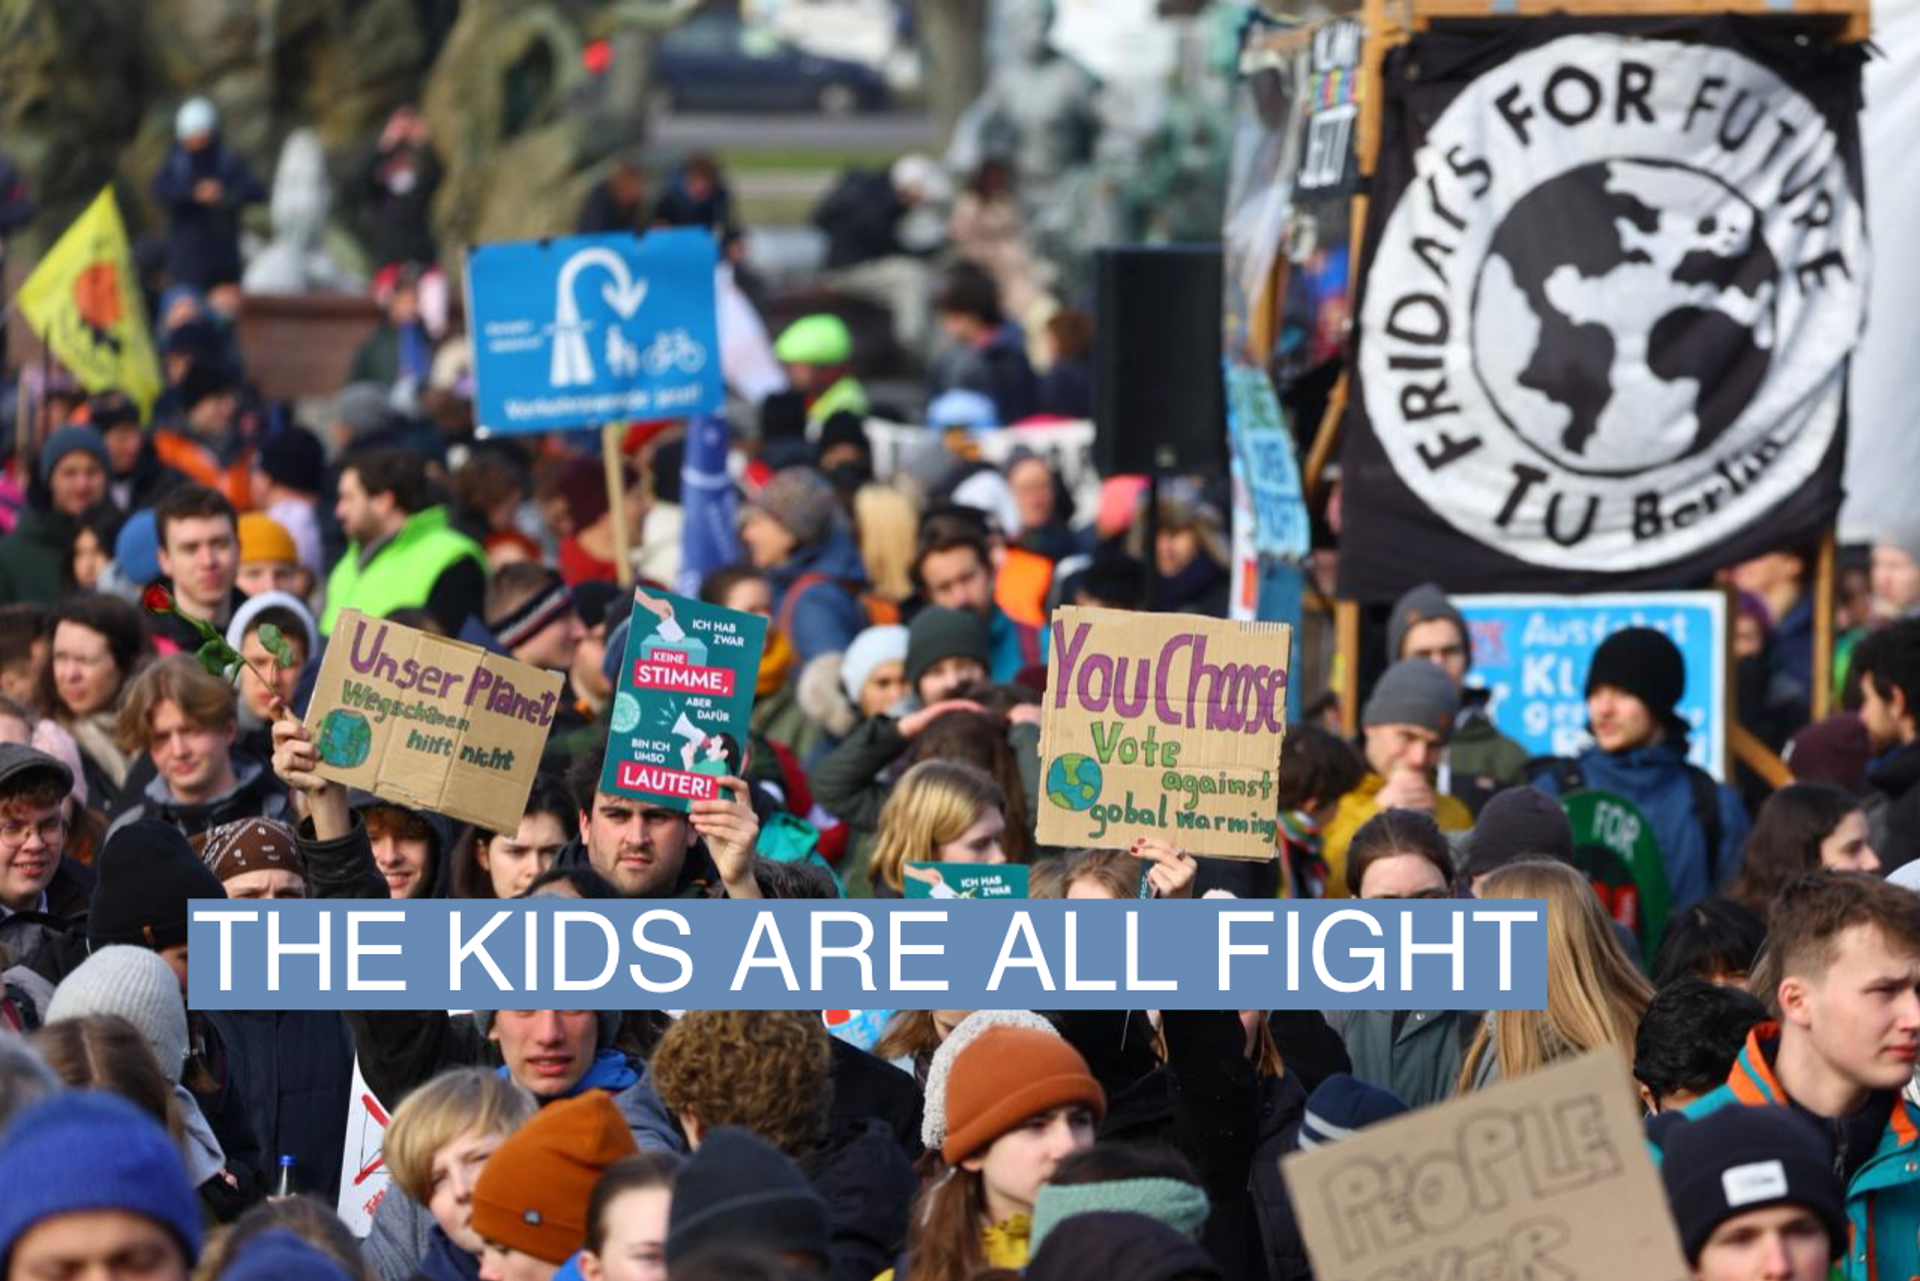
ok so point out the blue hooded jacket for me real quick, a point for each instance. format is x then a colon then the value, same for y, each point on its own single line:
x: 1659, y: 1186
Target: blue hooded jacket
x: 826, y: 616
x: 1658, y: 782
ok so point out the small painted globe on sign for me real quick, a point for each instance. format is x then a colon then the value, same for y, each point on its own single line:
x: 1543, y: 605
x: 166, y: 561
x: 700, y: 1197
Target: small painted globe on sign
x: 1073, y: 781
x: 345, y: 738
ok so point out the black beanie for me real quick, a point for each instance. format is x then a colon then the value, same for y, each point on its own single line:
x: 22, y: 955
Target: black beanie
x: 740, y: 1190
x: 937, y: 632
x: 1518, y: 823
x: 1748, y: 1158
x: 1645, y: 664
x: 148, y: 873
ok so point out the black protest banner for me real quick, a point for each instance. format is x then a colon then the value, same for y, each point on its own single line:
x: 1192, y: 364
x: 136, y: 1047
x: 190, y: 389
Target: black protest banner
x: 1614, y: 274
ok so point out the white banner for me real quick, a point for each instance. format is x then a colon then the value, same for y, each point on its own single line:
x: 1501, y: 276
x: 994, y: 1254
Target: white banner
x: 1883, y: 449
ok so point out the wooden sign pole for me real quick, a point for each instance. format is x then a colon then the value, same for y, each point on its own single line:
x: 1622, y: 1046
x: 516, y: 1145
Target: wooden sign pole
x: 1825, y: 571
x: 611, y: 435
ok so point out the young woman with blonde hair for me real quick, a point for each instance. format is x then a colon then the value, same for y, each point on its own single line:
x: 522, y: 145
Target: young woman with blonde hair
x: 940, y: 812
x: 887, y: 525
x: 1595, y: 996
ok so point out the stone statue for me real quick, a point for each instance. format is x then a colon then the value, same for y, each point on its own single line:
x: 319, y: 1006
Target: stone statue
x: 1039, y: 111
x: 296, y: 260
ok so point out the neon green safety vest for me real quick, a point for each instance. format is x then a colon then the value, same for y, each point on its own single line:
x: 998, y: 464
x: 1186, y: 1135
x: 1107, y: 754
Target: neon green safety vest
x: 401, y: 574
x: 847, y: 394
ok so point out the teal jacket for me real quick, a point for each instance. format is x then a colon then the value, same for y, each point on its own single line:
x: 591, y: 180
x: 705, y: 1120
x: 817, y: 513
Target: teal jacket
x: 1883, y: 1200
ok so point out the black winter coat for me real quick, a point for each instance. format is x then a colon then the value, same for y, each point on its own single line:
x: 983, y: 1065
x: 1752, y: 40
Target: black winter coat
x: 868, y: 1185
x: 294, y: 1073
x: 1895, y: 809
x: 1233, y: 1124
x: 866, y: 1088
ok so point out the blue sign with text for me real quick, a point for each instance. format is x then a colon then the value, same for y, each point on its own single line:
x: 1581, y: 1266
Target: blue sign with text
x: 1532, y: 653
x: 593, y: 329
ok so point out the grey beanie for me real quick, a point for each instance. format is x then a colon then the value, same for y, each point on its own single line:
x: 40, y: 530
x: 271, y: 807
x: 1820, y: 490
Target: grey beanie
x: 801, y: 501
x: 72, y: 440
x: 1424, y: 604
x: 609, y: 1026
x: 365, y: 410
x: 141, y: 988
x: 1413, y: 692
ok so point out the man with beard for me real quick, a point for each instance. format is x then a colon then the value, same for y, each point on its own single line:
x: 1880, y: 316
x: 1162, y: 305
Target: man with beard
x: 402, y: 552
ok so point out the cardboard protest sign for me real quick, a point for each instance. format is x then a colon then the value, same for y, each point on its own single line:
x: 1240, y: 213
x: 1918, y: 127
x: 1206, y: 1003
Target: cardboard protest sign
x: 684, y: 701
x: 1543, y: 1175
x: 1164, y: 725
x: 431, y: 723
x: 964, y: 880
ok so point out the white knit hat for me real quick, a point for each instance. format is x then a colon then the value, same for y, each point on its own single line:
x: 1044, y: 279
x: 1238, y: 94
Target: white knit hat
x: 196, y: 115
x: 138, y: 986
x: 933, y: 1119
x: 886, y: 643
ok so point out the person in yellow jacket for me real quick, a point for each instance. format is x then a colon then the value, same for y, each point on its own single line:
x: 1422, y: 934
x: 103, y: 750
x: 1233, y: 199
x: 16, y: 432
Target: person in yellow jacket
x: 403, y: 553
x: 1007, y: 1100
x: 1404, y: 725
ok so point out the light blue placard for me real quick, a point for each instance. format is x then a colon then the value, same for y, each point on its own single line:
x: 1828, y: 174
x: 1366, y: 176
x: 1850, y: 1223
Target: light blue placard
x: 593, y: 329
x: 1204, y: 954
x: 1533, y: 652
x: 1264, y: 447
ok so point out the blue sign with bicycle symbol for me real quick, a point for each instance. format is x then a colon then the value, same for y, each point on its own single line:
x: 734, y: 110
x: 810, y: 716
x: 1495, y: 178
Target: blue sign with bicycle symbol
x: 593, y: 329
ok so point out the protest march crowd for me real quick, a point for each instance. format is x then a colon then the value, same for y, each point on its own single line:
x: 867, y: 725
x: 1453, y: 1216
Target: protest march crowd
x: 169, y: 584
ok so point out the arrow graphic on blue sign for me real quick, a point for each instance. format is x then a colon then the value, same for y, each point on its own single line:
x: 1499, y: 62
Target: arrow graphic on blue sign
x: 572, y: 362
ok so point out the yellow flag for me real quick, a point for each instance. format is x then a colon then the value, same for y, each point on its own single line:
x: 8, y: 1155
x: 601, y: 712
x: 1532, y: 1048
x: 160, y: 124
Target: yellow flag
x: 84, y: 302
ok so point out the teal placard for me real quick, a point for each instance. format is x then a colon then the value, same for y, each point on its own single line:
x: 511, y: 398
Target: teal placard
x: 684, y: 702
x: 965, y: 880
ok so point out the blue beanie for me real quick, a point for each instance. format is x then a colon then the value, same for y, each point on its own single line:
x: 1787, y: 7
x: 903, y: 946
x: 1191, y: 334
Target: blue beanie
x: 279, y: 1255
x: 80, y: 1151
x: 137, y: 551
x: 1342, y: 1104
x: 70, y: 440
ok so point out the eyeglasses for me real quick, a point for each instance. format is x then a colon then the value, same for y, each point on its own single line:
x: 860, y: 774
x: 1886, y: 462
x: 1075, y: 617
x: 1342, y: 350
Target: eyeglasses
x: 14, y: 831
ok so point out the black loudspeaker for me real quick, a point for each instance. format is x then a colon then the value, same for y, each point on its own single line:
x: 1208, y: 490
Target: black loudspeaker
x: 1159, y: 401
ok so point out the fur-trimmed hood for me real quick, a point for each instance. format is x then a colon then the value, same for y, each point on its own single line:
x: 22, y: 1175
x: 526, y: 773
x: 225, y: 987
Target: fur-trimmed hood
x: 822, y: 697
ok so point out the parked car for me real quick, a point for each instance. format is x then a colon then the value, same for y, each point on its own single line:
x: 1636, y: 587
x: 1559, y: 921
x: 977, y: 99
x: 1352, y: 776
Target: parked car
x: 716, y: 62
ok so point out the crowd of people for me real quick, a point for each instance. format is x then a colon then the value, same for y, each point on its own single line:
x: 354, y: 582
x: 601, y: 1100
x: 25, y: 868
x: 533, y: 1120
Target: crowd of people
x: 896, y: 722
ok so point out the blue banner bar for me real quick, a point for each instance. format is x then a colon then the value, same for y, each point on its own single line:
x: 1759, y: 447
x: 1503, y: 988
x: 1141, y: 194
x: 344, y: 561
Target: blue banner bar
x: 794, y: 954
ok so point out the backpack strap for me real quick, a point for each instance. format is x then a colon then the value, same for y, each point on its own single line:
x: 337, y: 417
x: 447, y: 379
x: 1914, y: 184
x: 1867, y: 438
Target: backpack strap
x: 801, y: 585
x: 1706, y: 812
x: 1564, y: 771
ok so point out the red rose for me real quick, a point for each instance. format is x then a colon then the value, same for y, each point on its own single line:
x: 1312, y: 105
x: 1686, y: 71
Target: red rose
x: 157, y: 600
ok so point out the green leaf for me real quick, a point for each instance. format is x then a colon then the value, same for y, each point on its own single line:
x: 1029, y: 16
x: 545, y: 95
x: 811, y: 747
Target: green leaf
x: 212, y: 659
x: 276, y: 644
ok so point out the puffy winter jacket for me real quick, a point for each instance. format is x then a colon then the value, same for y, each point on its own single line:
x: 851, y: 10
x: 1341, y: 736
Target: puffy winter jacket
x: 1659, y: 783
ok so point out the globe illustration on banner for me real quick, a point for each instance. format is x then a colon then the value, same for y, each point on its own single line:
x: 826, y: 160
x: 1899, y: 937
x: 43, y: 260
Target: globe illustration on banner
x: 1073, y: 781
x: 345, y: 739
x: 1594, y: 341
